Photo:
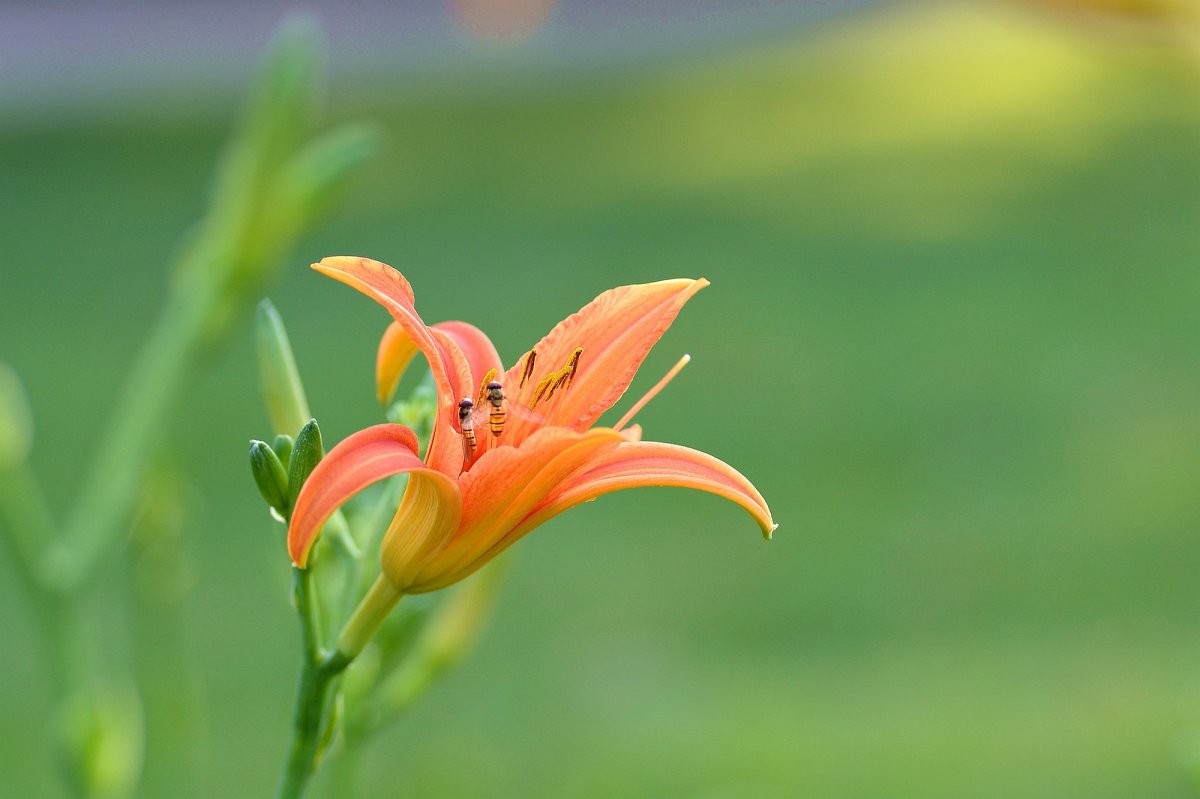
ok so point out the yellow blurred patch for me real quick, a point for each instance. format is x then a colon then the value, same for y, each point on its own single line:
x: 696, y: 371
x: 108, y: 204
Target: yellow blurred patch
x: 953, y: 106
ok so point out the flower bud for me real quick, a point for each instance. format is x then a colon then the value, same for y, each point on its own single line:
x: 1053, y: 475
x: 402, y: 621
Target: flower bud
x: 100, y: 737
x: 270, y: 477
x: 16, y: 420
x: 283, y: 447
x: 306, y: 454
x: 418, y: 412
x: 281, y: 387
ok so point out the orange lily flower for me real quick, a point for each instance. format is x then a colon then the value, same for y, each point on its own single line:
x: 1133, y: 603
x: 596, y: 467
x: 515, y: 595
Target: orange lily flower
x: 464, y: 505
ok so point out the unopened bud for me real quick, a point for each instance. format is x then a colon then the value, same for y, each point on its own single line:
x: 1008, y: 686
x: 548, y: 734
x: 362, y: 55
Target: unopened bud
x: 281, y: 387
x: 283, y: 447
x: 418, y: 412
x: 270, y: 477
x: 101, y: 741
x: 306, y: 454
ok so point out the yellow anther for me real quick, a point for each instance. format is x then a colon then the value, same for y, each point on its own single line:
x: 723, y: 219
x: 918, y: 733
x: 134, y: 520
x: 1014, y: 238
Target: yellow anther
x: 527, y: 372
x: 574, y: 364
x: 546, y: 387
x: 539, y: 390
x: 489, y: 377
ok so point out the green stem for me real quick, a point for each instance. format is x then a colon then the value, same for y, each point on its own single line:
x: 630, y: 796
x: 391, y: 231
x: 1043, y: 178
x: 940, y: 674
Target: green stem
x: 100, y: 516
x: 30, y: 527
x: 313, y: 696
x: 28, y: 530
x: 319, y: 670
x: 367, y: 617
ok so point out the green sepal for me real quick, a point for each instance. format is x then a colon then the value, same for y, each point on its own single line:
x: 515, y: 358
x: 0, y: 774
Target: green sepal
x: 270, y: 477
x: 306, y: 454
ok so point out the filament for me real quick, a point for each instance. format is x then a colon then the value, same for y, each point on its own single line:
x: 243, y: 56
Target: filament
x: 649, y: 395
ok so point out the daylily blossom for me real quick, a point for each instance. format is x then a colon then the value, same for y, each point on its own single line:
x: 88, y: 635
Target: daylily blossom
x: 461, y: 508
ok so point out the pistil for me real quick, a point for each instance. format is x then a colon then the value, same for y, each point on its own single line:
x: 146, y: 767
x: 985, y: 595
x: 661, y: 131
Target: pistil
x: 649, y: 395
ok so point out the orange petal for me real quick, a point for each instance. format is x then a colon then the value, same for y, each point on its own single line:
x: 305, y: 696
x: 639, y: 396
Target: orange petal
x: 445, y: 442
x: 504, y: 486
x: 616, y: 331
x: 427, y: 518
x: 396, y: 351
x: 648, y: 463
x: 481, y: 358
x: 388, y: 287
x: 480, y: 353
x: 362, y: 459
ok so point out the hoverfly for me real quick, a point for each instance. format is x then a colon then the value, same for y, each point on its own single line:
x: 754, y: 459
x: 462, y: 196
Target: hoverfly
x: 491, y: 410
x: 466, y: 425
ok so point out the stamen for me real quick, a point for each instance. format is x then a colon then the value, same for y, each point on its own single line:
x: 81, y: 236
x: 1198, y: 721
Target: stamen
x: 649, y: 395
x: 574, y: 364
x: 541, y: 388
x: 555, y: 380
x: 489, y: 377
x: 527, y: 372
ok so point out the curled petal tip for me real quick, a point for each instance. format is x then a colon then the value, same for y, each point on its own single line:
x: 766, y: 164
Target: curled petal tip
x: 647, y: 463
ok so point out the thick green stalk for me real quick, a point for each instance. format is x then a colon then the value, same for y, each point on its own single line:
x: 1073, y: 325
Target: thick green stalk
x: 319, y: 671
x: 313, y: 695
x: 97, y: 527
x: 313, y: 691
x: 29, y: 525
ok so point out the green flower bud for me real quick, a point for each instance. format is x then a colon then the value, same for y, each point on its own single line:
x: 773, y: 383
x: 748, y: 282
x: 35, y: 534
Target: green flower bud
x: 306, y: 454
x: 101, y: 741
x: 16, y: 420
x: 270, y: 477
x: 281, y: 387
x: 418, y: 412
x: 283, y: 447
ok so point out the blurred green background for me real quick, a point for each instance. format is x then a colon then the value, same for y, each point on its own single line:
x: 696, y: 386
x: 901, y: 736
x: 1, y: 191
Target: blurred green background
x: 952, y: 336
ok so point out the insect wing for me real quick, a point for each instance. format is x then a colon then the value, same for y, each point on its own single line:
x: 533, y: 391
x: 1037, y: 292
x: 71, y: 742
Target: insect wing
x: 486, y: 423
x: 517, y: 411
